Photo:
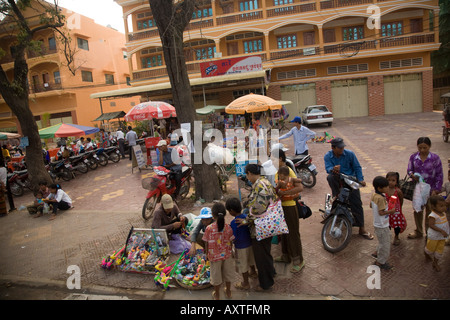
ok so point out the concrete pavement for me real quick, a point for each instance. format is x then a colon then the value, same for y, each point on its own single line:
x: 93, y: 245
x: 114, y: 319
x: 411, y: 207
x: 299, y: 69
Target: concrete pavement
x: 37, y: 252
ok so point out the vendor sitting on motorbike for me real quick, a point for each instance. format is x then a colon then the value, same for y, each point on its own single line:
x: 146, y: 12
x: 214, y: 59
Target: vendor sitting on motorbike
x: 168, y: 216
x: 166, y: 161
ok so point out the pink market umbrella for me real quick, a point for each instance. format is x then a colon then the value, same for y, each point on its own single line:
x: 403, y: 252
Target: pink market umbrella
x: 151, y: 110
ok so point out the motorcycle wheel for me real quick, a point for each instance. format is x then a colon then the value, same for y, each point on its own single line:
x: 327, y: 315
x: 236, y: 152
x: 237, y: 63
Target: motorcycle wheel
x: 114, y: 157
x: 184, y: 190
x: 337, y: 239
x: 16, y: 189
x: 149, y: 207
x: 82, y: 167
x: 93, y: 164
x: 307, y: 176
x: 66, y: 174
x: 103, y: 160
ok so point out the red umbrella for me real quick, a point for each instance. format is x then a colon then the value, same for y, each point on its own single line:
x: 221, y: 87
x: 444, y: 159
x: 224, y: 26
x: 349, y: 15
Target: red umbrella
x: 151, y: 110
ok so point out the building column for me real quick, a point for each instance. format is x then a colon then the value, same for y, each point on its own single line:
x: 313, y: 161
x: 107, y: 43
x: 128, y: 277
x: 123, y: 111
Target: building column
x: 321, y: 44
x: 213, y: 7
x: 323, y: 93
x: 375, y: 90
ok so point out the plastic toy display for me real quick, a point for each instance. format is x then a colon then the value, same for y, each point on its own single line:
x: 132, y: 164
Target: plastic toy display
x: 193, y: 272
x: 144, y: 248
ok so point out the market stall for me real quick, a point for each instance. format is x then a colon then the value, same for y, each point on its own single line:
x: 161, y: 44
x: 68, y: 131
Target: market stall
x: 149, y: 251
x: 148, y: 111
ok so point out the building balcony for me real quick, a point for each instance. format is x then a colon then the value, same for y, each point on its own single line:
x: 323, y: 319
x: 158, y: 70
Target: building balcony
x: 50, y: 86
x: 239, y: 17
x: 294, y: 8
x: 293, y: 53
x: 332, y: 4
x: 44, y: 52
x: 410, y: 40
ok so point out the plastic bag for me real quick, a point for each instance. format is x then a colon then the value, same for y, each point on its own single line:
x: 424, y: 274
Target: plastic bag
x: 178, y: 244
x: 420, y: 196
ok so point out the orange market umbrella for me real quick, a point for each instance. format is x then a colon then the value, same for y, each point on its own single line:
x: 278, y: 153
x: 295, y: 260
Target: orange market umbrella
x: 251, y: 103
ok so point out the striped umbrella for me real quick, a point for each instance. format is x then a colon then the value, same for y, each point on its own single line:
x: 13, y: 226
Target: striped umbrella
x: 66, y: 130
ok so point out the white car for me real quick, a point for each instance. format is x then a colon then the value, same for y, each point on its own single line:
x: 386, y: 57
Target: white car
x: 317, y: 114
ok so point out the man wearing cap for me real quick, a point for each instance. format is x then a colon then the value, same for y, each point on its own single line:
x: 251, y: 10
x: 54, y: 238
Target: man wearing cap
x: 301, y: 135
x: 165, y: 158
x: 167, y: 216
x: 337, y: 160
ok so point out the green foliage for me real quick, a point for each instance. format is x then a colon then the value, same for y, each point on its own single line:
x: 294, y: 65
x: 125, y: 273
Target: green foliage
x: 440, y: 59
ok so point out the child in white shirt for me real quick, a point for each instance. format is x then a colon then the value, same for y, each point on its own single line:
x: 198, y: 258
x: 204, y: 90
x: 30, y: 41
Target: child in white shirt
x: 381, y: 213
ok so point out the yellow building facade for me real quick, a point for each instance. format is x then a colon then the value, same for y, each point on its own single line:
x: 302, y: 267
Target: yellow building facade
x: 57, y: 95
x: 358, y: 57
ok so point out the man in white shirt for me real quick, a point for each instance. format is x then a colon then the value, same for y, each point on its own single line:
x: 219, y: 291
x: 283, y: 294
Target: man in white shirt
x: 301, y: 135
x: 131, y: 137
x: 121, y: 140
x: 80, y: 145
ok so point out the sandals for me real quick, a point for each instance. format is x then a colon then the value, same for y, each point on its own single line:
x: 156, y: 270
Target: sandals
x: 415, y: 235
x: 367, y: 236
x: 298, y: 267
x: 52, y: 217
x: 240, y: 286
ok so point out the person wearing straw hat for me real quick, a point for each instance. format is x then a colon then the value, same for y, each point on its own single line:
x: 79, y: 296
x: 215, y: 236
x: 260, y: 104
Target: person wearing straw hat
x: 168, y: 216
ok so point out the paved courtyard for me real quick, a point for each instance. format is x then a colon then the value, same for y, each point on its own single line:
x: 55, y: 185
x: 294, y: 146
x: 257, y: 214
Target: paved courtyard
x: 108, y: 203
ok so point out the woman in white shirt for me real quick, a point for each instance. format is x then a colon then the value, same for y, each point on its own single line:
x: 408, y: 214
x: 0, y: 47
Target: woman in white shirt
x: 58, y: 199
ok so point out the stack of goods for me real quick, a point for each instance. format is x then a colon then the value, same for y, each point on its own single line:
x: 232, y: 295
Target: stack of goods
x: 114, y: 259
x: 145, y: 247
x: 193, y: 271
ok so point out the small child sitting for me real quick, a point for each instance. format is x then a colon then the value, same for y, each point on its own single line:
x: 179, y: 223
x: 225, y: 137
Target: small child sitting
x: 244, y: 259
x: 39, y: 204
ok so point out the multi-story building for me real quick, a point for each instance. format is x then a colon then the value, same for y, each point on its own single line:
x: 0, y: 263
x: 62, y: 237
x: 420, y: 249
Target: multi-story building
x: 56, y: 95
x: 358, y: 57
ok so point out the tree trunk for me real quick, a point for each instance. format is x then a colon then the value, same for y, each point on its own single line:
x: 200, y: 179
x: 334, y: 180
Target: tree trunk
x: 171, y: 20
x: 16, y: 96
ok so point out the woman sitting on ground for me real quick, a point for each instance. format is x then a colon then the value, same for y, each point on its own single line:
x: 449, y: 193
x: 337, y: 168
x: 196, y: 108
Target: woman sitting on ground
x: 59, y: 199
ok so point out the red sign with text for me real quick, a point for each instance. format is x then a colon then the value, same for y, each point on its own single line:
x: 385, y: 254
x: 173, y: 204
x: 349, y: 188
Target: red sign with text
x: 230, y: 66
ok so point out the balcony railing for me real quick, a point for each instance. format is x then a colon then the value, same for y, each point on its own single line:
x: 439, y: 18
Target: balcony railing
x: 43, y: 52
x: 200, y: 24
x: 330, y: 4
x: 240, y: 17
x: 291, y: 9
x: 50, y: 86
x: 294, y: 53
x: 143, y: 34
x: 407, y: 40
x: 349, y: 47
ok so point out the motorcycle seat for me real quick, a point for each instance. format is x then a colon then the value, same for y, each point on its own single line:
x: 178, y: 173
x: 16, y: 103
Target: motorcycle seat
x: 21, y: 172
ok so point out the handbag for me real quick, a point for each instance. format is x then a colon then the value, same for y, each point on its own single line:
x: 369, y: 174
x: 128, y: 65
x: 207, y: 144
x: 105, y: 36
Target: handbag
x: 271, y: 223
x: 407, y: 185
x: 303, y: 210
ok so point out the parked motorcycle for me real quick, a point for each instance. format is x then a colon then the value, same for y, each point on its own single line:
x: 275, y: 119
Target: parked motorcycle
x: 92, y: 158
x: 79, y: 163
x: 61, y: 170
x: 337, y: 217
x: 305, y: 170
x: 18, y: 181
x: 102, y: 157
x: 112, y: 153
x: 163, y: 183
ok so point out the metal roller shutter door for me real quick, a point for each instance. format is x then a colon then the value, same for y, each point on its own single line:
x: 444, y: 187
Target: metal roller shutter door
x: 301, y: 95
x: 350, y: 98
x: 403, y: 93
